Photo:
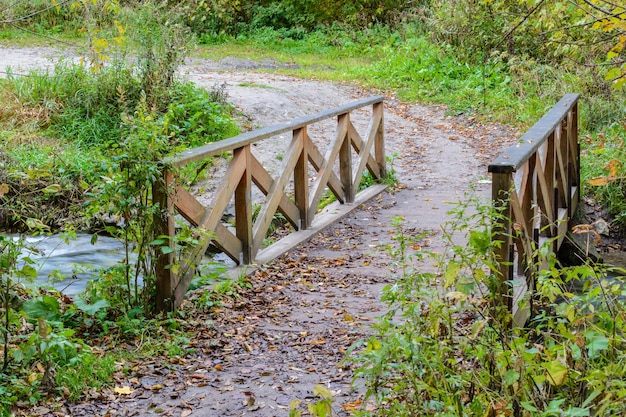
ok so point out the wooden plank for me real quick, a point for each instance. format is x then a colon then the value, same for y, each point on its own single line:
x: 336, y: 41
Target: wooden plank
x: 209, y: 225
x: 563, y: 227
x: 345, y: 161
x: 228, y: 243
x: 276, y: 193
x: 365, y: 158
x: 501, y: 184
x: 549, y: 174
x: 528, y: 194
x: 264, y: 181
x: 188, y: 206
x: 248, y: 138
x: 243, y: 207
x: 317, y: 161
x: 326, y: 168
x: 544, y: 198
x: 561, y: 173
x: 233, y: 174
x: 329, y: 215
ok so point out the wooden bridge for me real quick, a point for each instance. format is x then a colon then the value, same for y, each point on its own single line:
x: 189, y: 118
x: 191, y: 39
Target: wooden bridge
x: 339, y: 170
x: 535, y: 184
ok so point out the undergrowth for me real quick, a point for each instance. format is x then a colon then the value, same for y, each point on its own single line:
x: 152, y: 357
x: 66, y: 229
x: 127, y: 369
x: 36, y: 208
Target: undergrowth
x: 445, y: 349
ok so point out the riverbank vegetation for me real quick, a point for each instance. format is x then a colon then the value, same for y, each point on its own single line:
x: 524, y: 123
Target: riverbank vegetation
x: 71, y: 136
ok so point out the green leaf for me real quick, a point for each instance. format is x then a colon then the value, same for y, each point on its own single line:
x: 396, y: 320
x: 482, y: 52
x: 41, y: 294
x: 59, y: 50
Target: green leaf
x: 46, y: 307
x: 577, y: 412
x: 52, y: 189
x: 480, y: 240
x: 612, y: 74
x: 596, y: 343
x: 35, y: 224
x: 451, y: 274
x: 528, y: 406
x: 28, y: 271
x: 166, y: 249
x: 511, y: 376
x: 91, y: 309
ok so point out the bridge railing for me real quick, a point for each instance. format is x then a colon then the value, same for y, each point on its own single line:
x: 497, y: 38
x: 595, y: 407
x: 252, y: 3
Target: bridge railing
x: 536, y: 185
x: 296, y: 191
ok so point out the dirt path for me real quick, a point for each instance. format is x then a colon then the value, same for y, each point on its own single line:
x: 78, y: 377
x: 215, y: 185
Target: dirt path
x: 291, y: 329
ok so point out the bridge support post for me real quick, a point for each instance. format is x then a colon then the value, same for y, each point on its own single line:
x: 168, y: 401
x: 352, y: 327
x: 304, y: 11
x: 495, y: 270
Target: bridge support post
x: 502, y: 239
x: 164, y: 226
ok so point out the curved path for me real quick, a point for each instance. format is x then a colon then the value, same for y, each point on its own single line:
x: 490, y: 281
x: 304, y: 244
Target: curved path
x: 291, y: 329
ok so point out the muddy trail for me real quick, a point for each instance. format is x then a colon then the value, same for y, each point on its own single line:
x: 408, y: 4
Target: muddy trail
x: 291, y: 327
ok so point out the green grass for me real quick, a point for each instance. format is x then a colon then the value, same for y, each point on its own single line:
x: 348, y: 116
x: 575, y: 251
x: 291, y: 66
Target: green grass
x: 407, y: 64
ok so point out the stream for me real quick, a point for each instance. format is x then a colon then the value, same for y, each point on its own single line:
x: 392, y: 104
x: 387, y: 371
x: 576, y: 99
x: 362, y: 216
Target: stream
x: 69, y: 265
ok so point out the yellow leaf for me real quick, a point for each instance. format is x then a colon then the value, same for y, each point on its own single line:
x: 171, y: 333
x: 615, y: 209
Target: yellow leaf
x: 612, y: 166
x: 352, y: 406
x: 599, y: 181
x: 4, y: 188
x: 557, y: 371
x: 32, y: 378
x: 125, y: 390
x: 322, y: 391
x: 456, y: 296
x: 156, y: 387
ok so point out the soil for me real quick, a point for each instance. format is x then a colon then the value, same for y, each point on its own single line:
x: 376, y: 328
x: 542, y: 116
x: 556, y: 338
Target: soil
x: 293, y: 327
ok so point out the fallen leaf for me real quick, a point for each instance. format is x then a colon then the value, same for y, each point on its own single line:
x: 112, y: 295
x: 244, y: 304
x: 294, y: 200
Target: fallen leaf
x: 125, y: 390
x: 156, y: 387
x: 600, y: 181
x: 353, y: 405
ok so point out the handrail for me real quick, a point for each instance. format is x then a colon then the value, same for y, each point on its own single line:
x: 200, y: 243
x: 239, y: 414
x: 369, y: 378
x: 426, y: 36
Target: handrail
x: 339, y: 170
x: 248, y: 138
x: 536, y: 190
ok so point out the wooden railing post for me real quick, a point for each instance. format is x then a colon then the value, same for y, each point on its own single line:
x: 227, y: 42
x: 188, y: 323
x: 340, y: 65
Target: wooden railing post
x: 502, y: 238
x: 243, y: 207
x: 301, y: 180
x: 345, y: 161
x: 379, y: 144
x: 164, y: 226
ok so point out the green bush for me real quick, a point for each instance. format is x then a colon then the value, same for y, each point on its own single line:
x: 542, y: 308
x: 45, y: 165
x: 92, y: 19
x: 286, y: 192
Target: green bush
x: 445, y: 348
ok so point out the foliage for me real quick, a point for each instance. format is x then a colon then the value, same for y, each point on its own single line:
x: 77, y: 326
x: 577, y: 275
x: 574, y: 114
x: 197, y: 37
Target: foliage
x: 606, y: 177
x: 88, y: 114
x: 443, y: 349
x: 548, y: 32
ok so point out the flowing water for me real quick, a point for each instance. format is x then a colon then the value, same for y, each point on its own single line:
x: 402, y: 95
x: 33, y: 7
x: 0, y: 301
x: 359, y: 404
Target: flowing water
x: 70, y: 265
x: 76, y: 261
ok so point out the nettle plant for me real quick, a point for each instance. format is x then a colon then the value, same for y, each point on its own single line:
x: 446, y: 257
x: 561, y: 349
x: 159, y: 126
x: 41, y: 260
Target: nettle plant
x: 443, y: 349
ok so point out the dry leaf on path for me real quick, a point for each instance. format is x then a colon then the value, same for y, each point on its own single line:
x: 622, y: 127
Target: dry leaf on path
x: 125, y: 390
